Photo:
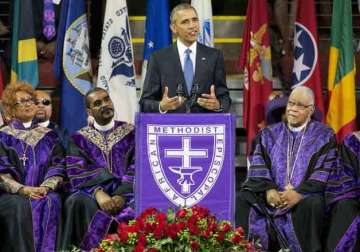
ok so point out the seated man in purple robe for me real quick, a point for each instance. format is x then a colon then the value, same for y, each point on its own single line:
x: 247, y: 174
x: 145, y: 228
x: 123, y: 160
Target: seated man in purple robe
x: 343, y: 194
x: 31, y: 170
x: 43, y: 114
x: 101, y: 170
x: 282, y: 198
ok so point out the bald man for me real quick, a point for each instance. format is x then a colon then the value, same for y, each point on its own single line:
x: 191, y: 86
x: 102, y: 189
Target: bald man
x: 286, y: 180
x: 43, y: 114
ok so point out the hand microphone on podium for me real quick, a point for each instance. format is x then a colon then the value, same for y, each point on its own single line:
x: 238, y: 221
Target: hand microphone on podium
x: 193, y: 97
x: 180, y: 92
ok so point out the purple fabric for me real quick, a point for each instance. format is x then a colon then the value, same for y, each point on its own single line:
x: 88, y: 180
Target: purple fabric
x: 343, y: 182
x: 272, y: 106
x: 42, y: 163
x: 348, y: 240
x: 275, y: 140
x: 98, y: 227
x: 185, y: 159
x: 49, y: 20
x: 92, y: 163
x: 80, y: 171
x: 45, y: 216
x: 258, y: 228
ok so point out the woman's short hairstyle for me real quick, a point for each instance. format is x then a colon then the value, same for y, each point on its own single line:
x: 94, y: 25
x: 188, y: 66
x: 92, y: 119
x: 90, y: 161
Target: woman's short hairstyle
x: 9, y: 95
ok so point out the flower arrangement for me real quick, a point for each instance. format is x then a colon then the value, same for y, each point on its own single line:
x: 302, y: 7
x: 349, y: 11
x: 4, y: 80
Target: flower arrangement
x: 188, y: 229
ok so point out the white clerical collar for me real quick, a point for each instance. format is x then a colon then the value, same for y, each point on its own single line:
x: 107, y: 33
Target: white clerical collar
x: 106, y: 127
x: 44, y: 124
x: 27, y: 124
x: 297, y: 129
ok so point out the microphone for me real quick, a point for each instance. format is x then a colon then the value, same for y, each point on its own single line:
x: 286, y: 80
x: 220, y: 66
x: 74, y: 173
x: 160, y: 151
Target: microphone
x: 180, y: 92
x: 193, y: 97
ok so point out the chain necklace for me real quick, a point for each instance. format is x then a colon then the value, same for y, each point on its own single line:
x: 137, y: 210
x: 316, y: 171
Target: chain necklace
x: 290, y: 170
x: 23, y: 157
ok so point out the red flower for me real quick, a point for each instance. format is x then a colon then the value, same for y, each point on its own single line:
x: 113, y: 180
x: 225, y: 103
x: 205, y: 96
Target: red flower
x: 181, y: 213
x: 112, y: 237
x: 158, y: 232
x: 142, y: 240
x: 236, y: 239
x: 250, y: 246
x: 240, y: 231
x: 138, y: 248
x: 149, y: 227
x: 195, y: 223
x: 134, y: 228
x: 220, y: 237
x: 161, y: 217
x: 194, y: 229
x: 194, y: 245
x: 226, y: 227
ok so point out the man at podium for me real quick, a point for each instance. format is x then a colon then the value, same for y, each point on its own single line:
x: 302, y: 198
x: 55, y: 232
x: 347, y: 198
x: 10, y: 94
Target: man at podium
x: 186, y: 76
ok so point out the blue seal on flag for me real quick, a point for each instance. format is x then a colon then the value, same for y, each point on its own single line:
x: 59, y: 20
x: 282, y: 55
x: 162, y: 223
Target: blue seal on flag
x: 305, y: 55
x: 120, y: 50
x: 76, y: 59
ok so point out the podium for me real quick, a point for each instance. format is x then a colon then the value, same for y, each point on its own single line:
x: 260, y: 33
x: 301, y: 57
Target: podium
x: 184, y: 160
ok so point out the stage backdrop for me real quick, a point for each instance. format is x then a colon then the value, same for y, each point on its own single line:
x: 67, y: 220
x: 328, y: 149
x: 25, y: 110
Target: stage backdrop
x: 184, y: 160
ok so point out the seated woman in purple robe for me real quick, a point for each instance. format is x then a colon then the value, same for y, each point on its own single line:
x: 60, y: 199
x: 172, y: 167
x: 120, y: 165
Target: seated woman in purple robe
x: 101, y: 170
x: 343, y: 193
x: 282, y: 199
x: 31, y: 169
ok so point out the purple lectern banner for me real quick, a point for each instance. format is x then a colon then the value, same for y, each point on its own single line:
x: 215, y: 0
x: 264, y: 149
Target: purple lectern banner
x: 185, y: 160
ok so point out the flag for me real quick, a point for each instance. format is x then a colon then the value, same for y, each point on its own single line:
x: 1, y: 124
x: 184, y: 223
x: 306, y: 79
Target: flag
x: 157, y: 30
x: 24, y: 65
x: 255, y: 61
x: 116, y: 65
x: 204, y: 11
x: 72, y: 64
x: 2, y: 79
x: 341, y: 113
x: 306, y: 69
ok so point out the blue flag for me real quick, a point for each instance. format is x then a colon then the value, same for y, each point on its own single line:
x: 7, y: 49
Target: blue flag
x: 157, y: 29
x: 72, y: 64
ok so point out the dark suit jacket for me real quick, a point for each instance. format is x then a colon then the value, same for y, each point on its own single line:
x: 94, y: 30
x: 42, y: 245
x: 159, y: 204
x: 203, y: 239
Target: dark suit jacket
x: 165, y: 69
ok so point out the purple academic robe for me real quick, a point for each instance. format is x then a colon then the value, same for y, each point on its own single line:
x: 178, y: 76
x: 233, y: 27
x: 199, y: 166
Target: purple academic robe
x: 343, y: 196
x: 99, y: 159
x: 280, y: 158
x: 44, y: 159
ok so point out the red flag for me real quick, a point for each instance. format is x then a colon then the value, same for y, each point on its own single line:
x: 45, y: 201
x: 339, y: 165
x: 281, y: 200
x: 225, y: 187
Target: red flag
x: 306, y: 70
x: 255, y: 60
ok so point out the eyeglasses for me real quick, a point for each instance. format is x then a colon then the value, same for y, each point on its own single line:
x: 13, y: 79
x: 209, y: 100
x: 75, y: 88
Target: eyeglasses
x: 299, y: 105
x: 23, y: 102
x: 45, y: 102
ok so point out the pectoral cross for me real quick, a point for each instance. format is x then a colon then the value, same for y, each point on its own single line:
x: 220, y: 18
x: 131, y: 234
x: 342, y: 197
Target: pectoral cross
x: 23, y: 159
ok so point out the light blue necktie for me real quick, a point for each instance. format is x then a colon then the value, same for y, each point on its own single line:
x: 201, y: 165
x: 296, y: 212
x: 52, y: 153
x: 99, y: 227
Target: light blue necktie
x: 188, y: 70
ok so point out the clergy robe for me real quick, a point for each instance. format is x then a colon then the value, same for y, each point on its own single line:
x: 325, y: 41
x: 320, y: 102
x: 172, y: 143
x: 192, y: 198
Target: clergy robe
x: 280, y: 158
x: 95, y: 160
x: 29, y: 157
x: 343, y: 196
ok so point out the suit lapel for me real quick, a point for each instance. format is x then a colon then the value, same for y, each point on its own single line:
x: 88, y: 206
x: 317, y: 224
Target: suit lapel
x: 178, y: 69
x: 200, y: 67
